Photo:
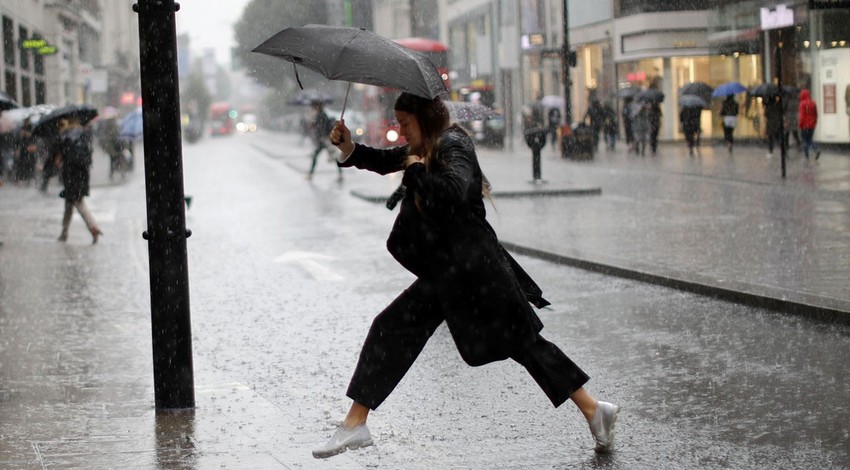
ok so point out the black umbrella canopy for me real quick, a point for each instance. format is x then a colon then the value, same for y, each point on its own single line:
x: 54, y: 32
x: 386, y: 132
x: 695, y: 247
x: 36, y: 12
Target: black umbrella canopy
x: 764, y: 90
x: 651, y: 95
x: 356, y: 55
x: 48, y: 125
x: 628, y: 92
x: 701, y: 89
x: 6, y: 101
x: 692, y: 101
x: 466, y: 111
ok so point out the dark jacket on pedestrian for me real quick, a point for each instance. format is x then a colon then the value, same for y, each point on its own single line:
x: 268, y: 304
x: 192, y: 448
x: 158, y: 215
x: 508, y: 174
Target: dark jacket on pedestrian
x: 689, y: 117
x: 808, y: 111
x: 75, y: 148
x: 441, y: 235
x: 729, y: 108
x: 774, y: 115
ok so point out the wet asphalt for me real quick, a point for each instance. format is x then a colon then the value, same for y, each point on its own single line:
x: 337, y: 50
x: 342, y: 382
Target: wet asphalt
x: 286, y: 275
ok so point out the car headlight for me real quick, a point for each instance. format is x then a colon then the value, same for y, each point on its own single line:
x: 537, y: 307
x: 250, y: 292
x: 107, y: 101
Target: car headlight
x: 392, y: 135
x: 359, y: 131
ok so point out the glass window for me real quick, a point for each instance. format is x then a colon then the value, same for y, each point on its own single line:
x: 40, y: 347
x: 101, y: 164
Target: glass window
x: 11, y: 84
x: 26, y: 93
x: 25, y: 54
x: 8, y: 41
x: 40, y: 92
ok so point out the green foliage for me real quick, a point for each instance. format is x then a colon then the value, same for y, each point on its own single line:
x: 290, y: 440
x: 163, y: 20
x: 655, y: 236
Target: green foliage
x: 260, y: 20
x: 196, y: 98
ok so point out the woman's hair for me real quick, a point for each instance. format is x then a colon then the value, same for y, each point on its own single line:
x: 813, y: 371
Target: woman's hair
x: 432, y: 116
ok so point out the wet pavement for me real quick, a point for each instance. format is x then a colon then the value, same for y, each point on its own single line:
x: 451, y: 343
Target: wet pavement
x: 286, y: 276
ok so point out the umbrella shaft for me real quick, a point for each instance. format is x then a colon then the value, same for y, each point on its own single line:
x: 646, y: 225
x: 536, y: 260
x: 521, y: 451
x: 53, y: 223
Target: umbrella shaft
x: 345, y: 102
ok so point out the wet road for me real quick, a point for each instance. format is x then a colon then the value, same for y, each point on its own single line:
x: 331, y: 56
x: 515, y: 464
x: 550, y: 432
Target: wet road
x: 286, y: 276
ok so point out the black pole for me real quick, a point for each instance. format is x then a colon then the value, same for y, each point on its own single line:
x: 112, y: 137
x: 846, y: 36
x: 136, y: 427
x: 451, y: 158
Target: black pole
x: 782, y: 149
x: 166, y: 235
x: 565, y: 66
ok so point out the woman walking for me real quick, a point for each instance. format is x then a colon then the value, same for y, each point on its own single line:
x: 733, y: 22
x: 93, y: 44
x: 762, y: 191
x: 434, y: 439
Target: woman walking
x: 808, y: 120
x: 74, y: 157
x: 729, y: 113
x: 464, y: 277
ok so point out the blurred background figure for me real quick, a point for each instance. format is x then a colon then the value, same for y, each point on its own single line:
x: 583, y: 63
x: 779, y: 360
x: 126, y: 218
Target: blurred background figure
x: 729, y: 113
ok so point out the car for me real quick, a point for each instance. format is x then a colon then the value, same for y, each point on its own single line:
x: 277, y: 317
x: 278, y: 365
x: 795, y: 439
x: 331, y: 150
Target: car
x: 248, y: 123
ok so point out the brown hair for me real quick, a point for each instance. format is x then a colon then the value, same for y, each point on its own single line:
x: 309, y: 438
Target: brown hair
x: 433, y: 119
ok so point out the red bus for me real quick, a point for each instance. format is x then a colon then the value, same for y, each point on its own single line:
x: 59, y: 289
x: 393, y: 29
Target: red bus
x: 381, y: 128
x: 221, y: 118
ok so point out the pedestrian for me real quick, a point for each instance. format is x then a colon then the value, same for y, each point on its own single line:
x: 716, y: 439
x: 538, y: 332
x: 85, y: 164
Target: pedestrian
x: 27, y: 153
x: 554, y: 122
x: 534, y: 131
x: 639, y: 112
x: 774, y: 116
x: 320, y: 127
x: 596, y: 116
x: 609, y: 126
x: 808, y: 118
x: 627, y: 123
x: 654, y: 117
x: 74, y: 158
x: 464, y: 277
x: 791, y: 105
x: 689, y: 117
x: 729, y: 114
x: 108, y: 138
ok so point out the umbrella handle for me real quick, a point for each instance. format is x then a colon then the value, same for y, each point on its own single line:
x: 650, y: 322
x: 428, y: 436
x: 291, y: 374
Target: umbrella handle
x: 345, y: 102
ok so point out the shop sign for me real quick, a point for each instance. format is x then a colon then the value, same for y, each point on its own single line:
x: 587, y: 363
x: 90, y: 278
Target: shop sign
x: 829, y: 97
x: 40, y: 46
x: 828, y: 4
x: 780, y: 17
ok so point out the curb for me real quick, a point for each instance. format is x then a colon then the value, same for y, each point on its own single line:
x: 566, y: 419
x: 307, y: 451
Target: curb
x: 376, y: 198
x: 815, y: 312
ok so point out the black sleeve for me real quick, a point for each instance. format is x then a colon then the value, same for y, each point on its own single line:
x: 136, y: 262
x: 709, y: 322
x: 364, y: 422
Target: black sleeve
x: 381, y: 161
x: 442, y: 193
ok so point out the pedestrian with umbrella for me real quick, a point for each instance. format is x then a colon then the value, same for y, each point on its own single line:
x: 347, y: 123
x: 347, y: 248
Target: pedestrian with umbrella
x: 74, y: 158
x: 464, y: 277
x: 689, y: 117
x: 320, y: 127
x: 729, y: 113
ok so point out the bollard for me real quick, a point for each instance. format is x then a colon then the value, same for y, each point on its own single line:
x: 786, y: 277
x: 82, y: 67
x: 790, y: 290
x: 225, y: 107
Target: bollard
x: 166, y: 235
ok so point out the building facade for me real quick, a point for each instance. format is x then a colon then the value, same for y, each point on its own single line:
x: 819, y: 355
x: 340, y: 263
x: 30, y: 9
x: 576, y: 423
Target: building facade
x: 69, y: 51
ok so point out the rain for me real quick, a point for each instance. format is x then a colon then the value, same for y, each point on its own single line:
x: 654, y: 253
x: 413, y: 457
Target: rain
x: 205, y: 304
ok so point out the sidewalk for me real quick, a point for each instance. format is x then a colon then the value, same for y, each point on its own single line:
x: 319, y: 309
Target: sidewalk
x: 720, y: 224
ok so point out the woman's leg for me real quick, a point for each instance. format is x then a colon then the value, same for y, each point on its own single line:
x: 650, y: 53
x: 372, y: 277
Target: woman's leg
x: 395, y: 340
x: 84, y: 211
x: 66, y: 220
x: 556, y: 374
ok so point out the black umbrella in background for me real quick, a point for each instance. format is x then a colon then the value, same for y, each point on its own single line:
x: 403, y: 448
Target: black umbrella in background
x: 48, y: 125
x: 651, y: 95
x: 692, y: 101
x: 764, y: 90
x: 466, y: 111
x: 6, y: 101
x: 703, y: 90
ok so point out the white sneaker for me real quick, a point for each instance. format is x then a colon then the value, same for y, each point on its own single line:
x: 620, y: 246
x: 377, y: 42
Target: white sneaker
x: 343, y: 439
x: 602, y: 426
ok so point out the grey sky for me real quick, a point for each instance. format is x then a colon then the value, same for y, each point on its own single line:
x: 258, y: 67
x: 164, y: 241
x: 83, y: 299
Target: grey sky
x: 209, y: 23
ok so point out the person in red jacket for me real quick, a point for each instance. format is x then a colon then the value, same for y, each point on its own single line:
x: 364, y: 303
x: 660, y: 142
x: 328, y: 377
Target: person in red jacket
x: 808, y: 115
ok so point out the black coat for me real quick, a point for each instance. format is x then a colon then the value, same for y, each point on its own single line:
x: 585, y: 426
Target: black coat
x: 75, y: 146
x: 441, y: 235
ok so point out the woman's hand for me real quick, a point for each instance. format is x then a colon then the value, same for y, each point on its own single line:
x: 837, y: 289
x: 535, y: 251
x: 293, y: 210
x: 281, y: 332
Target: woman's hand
x: 340, y: 136
x: 411, y: 159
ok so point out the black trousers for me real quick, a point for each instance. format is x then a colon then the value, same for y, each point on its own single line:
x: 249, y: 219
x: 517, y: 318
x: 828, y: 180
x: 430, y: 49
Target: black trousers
x: 399, y: 333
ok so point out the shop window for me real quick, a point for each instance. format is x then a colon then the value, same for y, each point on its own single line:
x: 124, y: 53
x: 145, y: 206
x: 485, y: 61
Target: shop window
x: 11, y: 84
x: 26, y: 94
x: 40, y: 92
x: 25, y: 54
x: 38, y: 60
x: 8, y: 41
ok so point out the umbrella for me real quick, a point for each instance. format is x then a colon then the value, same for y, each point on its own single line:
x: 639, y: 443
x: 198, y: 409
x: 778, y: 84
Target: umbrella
x: 628, y: 92
x: 356, y: 55
x: 728, y: 89
x: 466, y: 111
x: 764, y: 90
x: 132, y: 125
x: 692, y: 101
x: 651, y: 95
x: 6, y: 101
x: 552, y: 101
x: 310, y: 96
x: 703, y: 90
x: 49, y: 123
x: 13, y: 119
